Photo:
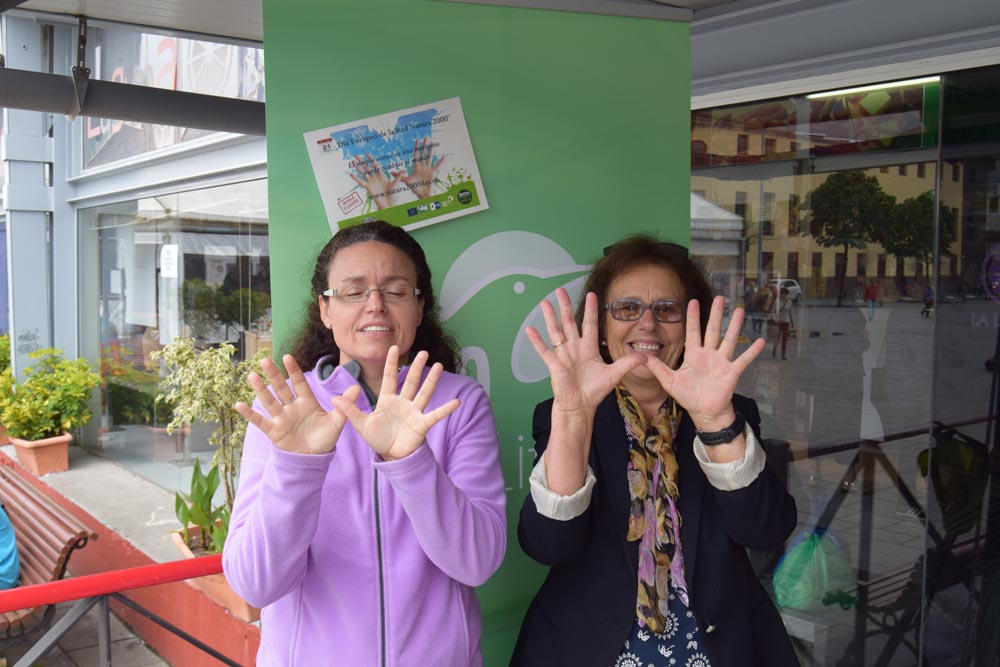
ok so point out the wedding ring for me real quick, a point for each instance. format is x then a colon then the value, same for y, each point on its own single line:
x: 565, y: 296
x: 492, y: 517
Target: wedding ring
x: 558, y: 344
x: 288, y: 402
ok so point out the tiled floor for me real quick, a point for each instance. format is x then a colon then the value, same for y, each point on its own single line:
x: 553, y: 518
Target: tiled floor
x: 78, y: 647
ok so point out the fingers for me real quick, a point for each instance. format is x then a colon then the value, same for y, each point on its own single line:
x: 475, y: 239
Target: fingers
x: 562, y: 327
x: 538, y: 343
x: 663, y: 373
x: 568, y: 328
x: 423, y: 397
x: 277, y: 381
x: 742, y: 362
x: 439, y: 413
x: 254, y: 417
x: 360, y: 181
x: 713, y: 332
x: 300, y: 386
x: 437, y: 165
x: 692, y: 326
x: 591, y: 318
x: 346, y: 405
x: 728, y: 345
x: 412, y: 382
x: 391, y: 371
x: 623, y: 366
x: 551, y: 321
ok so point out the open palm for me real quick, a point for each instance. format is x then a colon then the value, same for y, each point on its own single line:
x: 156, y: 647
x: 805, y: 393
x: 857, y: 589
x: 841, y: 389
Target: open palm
x: 295, y: 420
x: 706, y: 380
x: 580, y: 377
x: 398, y: 425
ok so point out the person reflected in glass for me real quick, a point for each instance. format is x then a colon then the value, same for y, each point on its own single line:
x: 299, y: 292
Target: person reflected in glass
x: 784, y: 321
x: 371, y: 500
x: 650, y: 480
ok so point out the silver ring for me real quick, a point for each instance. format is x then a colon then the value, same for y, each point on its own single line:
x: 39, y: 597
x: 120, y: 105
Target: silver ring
x: 288, y: 402
x: 558, y: 344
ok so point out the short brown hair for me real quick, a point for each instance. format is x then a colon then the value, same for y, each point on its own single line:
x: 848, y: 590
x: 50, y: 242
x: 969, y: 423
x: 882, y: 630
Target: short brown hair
x: 644, y: 250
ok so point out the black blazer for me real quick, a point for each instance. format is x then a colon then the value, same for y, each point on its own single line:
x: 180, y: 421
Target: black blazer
x: 584, y: 610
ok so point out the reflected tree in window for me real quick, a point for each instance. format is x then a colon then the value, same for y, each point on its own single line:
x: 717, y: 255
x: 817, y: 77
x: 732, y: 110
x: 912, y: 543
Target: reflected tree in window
x: 910, y: 232
x: 847, y: 211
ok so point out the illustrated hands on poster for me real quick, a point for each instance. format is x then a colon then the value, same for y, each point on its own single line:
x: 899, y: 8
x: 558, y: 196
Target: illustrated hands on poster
x: 424, y: 169
x: 373, y: 178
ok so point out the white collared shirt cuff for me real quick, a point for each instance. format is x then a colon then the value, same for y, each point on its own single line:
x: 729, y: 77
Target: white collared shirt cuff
x: 553, y: 505
x: 733, y: 475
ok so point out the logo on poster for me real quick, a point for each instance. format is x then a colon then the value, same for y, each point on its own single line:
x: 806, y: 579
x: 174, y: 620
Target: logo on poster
x: 350, y: 202
x: 464, y: 196
x: 411, y: 212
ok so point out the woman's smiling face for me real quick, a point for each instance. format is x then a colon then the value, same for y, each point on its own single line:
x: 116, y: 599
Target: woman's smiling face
x: 364, y: 331
x: 648, y: 283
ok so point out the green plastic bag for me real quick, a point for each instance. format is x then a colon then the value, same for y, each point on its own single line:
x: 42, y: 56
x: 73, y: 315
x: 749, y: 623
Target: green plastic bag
x: 809, y: 570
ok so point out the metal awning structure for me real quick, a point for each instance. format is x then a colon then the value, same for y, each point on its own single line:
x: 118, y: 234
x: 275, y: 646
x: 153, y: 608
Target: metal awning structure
x: 237, y: 21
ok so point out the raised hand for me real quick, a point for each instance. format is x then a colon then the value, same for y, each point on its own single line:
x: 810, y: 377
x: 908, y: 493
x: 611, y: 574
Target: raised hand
x: 424, y: 170
x: 372, y: 178
x: 580, y: 377
x: 398, y: 425
x: 705, y: 382
x: 296, y: 422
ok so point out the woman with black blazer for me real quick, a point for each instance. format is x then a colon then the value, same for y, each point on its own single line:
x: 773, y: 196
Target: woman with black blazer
x: 650, y: 481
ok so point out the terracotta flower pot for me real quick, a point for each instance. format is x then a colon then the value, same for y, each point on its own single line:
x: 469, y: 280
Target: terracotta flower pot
x: 216, y: 587
x: 44, y: 456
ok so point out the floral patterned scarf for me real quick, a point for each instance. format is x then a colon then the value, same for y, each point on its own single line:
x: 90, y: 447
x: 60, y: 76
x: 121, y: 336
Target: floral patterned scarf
x: 654, y: 518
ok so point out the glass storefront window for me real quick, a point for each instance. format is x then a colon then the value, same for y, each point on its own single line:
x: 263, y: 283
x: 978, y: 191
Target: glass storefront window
x: 880, y: 398
x: 193, y: 264
x: 162, y: 61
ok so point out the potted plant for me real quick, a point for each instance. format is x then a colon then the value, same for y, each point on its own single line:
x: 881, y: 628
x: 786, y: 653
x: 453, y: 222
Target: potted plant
x: 39, y: 411
x: 204, y: 385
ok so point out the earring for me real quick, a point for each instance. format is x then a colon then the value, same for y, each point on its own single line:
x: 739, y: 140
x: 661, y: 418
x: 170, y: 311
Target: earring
x: 604, y: 343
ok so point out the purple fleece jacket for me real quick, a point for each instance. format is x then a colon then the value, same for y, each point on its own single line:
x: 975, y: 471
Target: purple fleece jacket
x: 358, y: 561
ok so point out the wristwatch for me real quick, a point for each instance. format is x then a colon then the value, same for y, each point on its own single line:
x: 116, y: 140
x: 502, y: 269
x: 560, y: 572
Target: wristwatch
x: 724, y: 436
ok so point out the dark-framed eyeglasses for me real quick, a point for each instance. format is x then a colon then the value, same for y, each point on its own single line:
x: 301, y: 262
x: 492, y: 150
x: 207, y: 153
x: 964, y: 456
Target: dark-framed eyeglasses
x: 391, y: 293
x: 630, y: 310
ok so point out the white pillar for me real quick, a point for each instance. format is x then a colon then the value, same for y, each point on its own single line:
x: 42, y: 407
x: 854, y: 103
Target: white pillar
x: 26, y: 153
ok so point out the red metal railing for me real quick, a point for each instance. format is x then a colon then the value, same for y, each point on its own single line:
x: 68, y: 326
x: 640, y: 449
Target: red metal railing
x: 106, y: 583
x: 96, y: 589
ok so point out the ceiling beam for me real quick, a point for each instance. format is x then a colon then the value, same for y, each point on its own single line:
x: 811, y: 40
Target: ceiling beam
x: 53, y: 93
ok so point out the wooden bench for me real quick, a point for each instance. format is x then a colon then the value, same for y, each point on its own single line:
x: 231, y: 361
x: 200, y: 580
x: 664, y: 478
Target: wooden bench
x: 46, y: 537
x: 897, y: 598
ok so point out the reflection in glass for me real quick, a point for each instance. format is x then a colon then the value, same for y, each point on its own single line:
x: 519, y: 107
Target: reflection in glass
x: 194, y: 264
x: 842, y: 199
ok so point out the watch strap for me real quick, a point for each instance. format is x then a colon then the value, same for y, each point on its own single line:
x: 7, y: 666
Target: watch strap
x: 724, y: 436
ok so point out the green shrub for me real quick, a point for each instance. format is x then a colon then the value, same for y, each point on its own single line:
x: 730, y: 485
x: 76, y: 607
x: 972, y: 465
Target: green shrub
x: 54, y: 396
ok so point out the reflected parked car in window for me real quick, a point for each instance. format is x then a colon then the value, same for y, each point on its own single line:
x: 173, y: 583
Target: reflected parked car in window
x: 794, y: 291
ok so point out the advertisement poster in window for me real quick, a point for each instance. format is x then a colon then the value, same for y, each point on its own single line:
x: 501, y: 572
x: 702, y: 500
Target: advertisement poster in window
x: 411, y: 168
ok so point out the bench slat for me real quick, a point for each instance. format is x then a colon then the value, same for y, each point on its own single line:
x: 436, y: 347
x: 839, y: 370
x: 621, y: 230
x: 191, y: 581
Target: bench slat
x: 46, y: 534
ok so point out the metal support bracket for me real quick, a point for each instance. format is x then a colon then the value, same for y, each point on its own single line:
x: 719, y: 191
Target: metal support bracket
x: 81, y: 73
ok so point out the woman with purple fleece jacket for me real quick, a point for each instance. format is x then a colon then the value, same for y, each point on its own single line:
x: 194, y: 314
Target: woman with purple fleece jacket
x: 371, y: 499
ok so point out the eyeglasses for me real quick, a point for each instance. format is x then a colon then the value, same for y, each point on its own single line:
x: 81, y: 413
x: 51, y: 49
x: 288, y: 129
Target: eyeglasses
x: 630, y: 310
x: 391, y: 293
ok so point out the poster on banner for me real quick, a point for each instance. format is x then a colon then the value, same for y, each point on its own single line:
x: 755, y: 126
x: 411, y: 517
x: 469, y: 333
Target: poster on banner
x: 411, y: 168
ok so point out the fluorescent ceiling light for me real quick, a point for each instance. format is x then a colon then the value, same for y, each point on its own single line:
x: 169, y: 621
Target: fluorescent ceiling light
x: 877, y: 86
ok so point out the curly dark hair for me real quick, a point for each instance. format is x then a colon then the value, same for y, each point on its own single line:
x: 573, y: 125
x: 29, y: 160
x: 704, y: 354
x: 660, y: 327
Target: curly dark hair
x: 644, y: 250
x: 314, y: 340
